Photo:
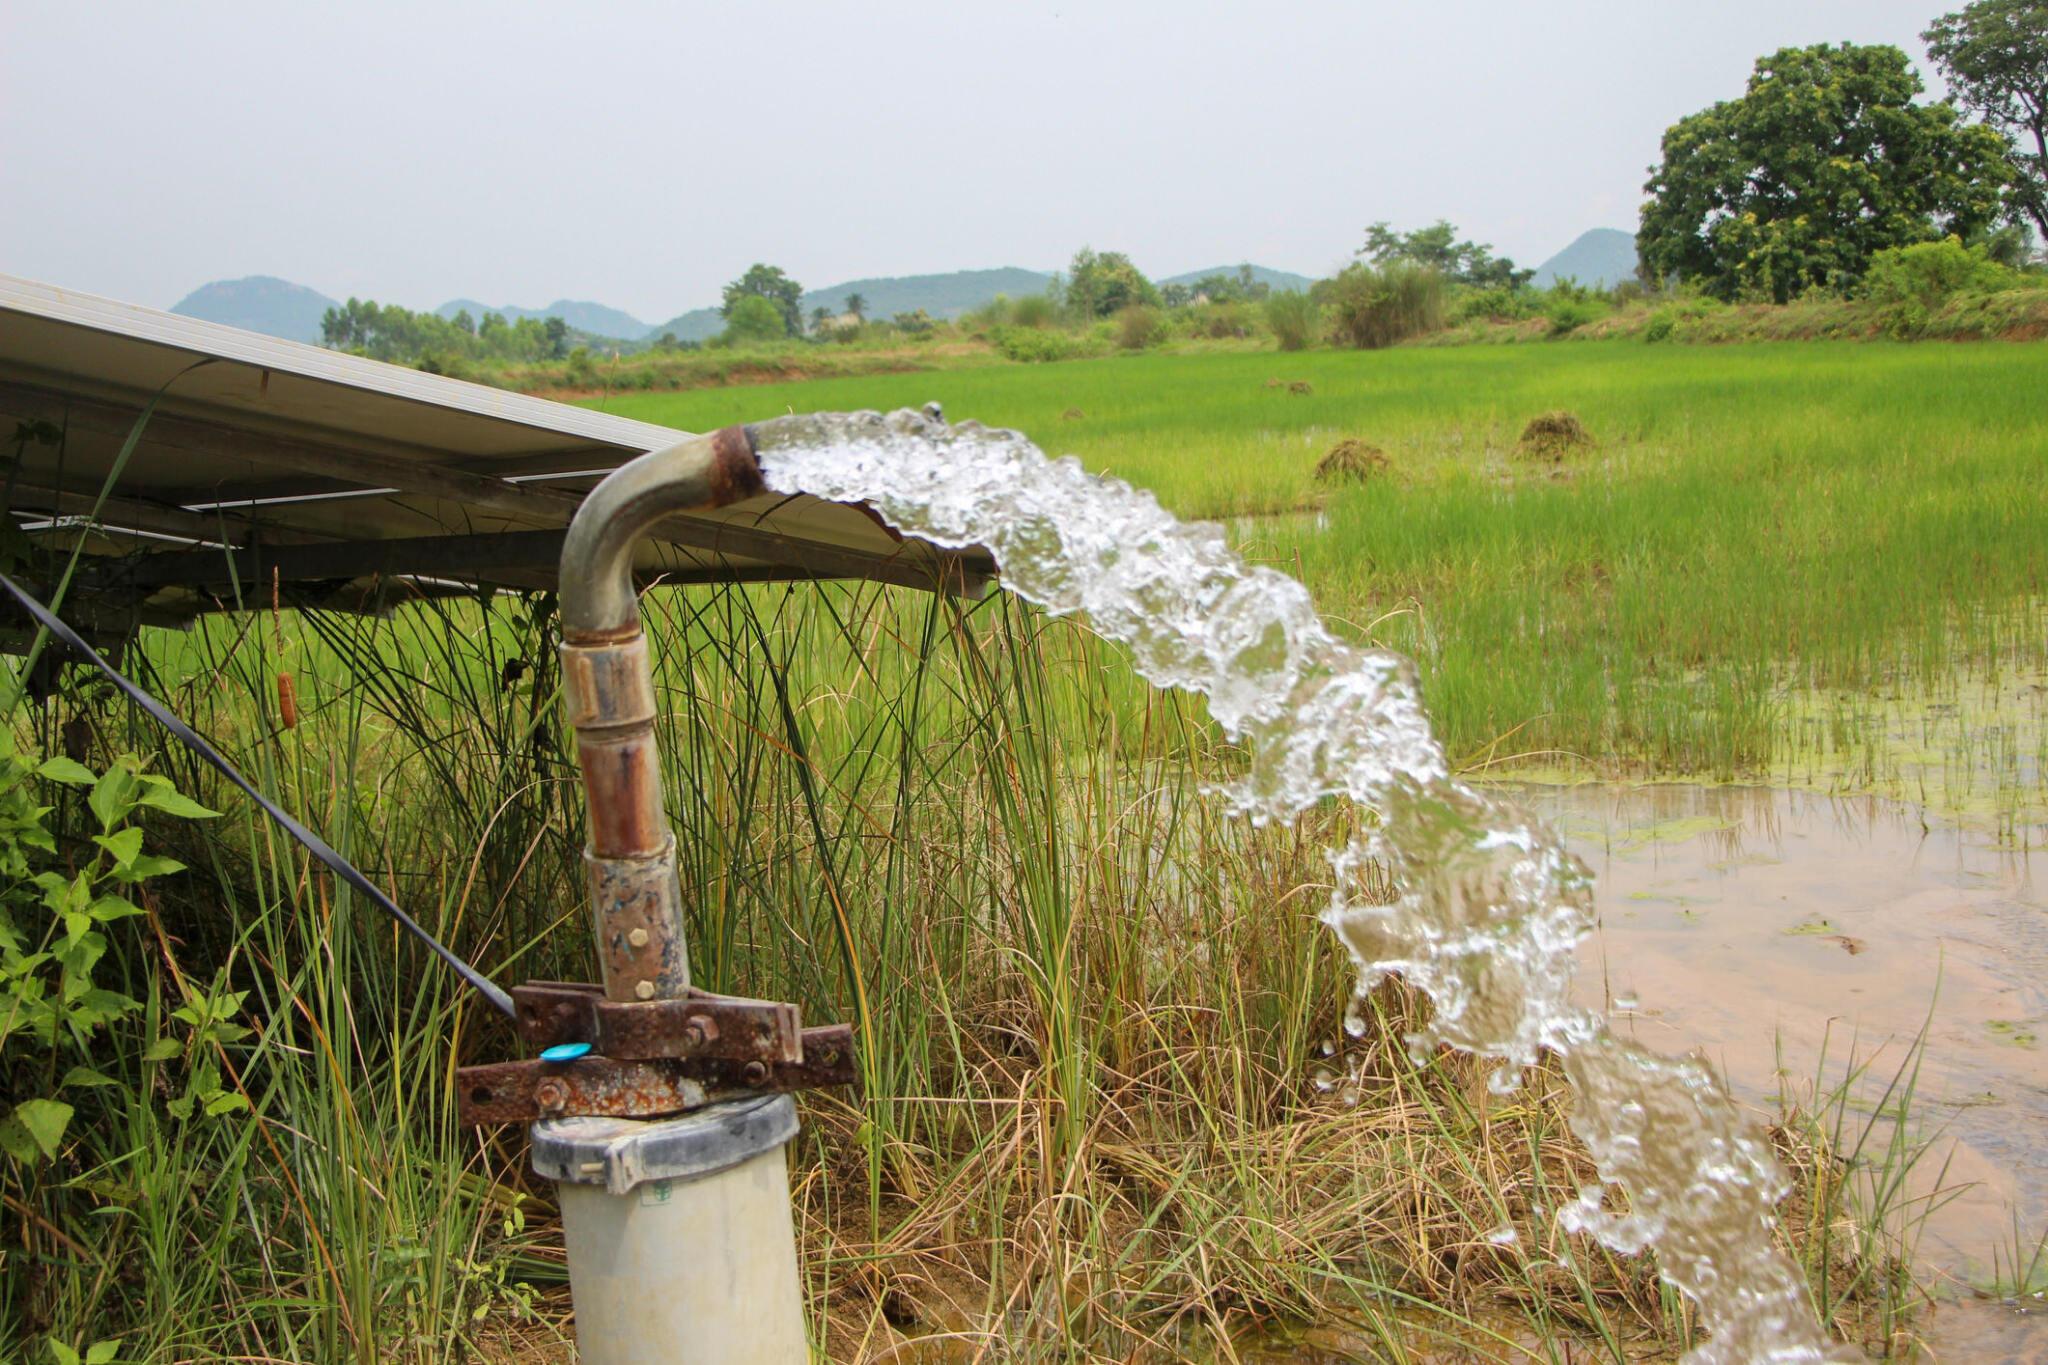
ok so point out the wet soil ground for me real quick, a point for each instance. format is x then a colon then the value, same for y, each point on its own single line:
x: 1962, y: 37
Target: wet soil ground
x: 1784, y: 933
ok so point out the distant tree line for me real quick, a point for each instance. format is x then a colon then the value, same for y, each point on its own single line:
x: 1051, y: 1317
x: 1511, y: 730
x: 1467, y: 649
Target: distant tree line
x: 1828, y: 176
x: 388, y: 332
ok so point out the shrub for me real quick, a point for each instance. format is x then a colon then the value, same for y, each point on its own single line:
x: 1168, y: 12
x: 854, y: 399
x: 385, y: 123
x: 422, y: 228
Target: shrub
x: 1219, y: 321
x: 997, y: 312
x: 1033, y: 310
x: 1660, y: 325
x: 1909, y: 284
x: 1293, y: 316
x: 1033, y: 344
x: 1378, y: 305
x: 61, y: 910
x: 1501, y: 303
x: 1567, y: 313
x: 1138, y: 326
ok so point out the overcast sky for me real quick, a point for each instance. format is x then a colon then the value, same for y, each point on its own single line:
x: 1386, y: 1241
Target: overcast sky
x: 641, y: 155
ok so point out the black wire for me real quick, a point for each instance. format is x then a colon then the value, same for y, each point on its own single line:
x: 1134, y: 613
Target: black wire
x: 317, y: 846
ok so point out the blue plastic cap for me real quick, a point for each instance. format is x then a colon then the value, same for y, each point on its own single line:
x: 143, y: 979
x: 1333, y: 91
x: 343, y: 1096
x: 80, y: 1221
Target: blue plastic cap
x: 565, y: 1052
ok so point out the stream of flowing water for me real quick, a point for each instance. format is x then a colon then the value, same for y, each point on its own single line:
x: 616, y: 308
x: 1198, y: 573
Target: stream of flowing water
x: 1489, y: 905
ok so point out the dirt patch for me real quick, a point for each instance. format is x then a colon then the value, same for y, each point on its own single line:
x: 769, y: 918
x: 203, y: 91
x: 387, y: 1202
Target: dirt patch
x: 1072, y: 415
x: 1553, y: 437
x: 1352, y: 461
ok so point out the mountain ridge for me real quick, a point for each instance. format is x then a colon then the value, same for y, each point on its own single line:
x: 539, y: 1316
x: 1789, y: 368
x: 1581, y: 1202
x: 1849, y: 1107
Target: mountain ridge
x: 276, y: 307
x: 1279, y: 281
x: 582, y: 315
x: 259, y: 303
x: 1599, y: 257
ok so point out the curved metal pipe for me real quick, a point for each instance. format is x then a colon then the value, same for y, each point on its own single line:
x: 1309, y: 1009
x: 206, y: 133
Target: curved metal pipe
x: 608, y: 693
x: 597, y: 597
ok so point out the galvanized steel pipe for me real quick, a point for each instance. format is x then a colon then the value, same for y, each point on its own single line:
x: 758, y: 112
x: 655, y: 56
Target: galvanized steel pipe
x: 608, y: 684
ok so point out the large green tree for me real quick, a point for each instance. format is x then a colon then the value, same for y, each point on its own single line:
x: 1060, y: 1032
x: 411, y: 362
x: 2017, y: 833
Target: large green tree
x: 753, y: 318
x: 1823, y: 162
x: 770, y: 283
x: 1994, y: 54
x: 1101, y: 283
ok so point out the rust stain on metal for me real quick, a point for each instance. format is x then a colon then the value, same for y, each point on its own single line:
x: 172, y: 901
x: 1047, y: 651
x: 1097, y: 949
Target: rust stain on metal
x: 638, y: 918
x: 700, y: 1024
x: 513, y: 1092
x: 735, y: 468
x: 622, y: 786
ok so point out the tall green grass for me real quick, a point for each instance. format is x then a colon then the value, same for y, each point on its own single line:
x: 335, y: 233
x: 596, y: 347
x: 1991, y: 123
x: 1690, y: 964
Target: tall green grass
x: 1100, y: 1117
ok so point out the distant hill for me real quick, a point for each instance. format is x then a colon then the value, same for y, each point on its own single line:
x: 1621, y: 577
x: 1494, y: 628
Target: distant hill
x: 1279, y: 281
x: 940, y: 296
x: 259, y: 303
x: 280, y: 308
x: 594, y: 319
x: 1603, y: 257
x: 699, y: 324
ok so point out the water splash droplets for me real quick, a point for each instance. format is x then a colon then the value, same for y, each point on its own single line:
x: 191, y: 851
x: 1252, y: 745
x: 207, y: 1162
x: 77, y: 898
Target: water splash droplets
x: 1488, y: 906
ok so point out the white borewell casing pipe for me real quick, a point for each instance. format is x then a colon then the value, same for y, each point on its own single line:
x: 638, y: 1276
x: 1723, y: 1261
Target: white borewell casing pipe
x: 681, y: 1242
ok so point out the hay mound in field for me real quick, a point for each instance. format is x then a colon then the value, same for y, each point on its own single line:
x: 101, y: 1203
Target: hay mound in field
x: 1352, y: 461
x: 1301, y: 386
x: 1553, y: 436
x: 1072, y: 415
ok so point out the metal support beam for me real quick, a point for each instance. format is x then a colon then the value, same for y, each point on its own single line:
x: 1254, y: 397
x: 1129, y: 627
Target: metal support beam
x: 421, y: 474
x: 434, y: 556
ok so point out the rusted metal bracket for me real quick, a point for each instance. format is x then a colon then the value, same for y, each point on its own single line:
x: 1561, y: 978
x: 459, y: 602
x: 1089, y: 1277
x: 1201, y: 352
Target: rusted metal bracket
x: 698, y: 1025
x: 614, y: 1087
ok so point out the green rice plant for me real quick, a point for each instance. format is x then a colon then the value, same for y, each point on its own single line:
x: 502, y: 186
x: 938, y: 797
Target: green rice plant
x: 1761, y: 526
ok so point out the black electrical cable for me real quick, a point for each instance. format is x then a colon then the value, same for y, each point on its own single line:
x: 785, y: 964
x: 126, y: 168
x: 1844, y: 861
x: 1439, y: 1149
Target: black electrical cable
x: 315, y: 845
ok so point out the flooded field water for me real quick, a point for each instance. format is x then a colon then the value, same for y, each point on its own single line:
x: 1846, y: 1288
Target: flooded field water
x: 1780, y: 931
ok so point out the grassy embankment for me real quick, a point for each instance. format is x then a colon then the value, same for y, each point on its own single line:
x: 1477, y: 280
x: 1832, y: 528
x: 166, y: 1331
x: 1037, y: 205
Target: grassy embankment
x: 1092, y: 1012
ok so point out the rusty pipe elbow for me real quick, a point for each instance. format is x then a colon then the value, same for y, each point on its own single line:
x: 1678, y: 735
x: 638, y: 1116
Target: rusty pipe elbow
x: 596, y: 586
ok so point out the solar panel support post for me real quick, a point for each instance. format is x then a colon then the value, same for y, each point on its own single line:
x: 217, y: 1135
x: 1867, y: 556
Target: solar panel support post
x: 681, y: 1241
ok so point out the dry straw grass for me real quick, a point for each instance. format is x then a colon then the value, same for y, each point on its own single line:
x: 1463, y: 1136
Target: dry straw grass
x: 1352, y: 461
x: 1553, y: 437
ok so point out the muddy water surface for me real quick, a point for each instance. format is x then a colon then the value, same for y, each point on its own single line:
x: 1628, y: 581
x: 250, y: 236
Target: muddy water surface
x: 1763, y: 926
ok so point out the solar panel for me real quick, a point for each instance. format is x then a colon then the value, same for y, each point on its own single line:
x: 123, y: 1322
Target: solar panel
x: 341, y: 477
